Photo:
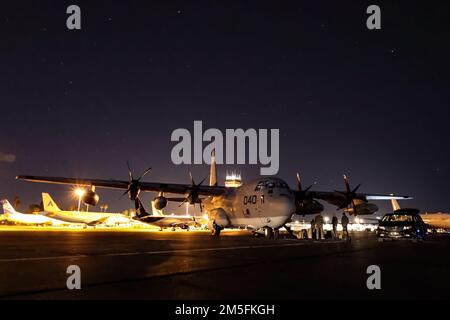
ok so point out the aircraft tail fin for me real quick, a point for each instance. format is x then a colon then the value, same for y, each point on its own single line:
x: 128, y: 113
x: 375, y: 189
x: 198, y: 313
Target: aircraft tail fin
x: 49, y: 204
x: 7, y: 207
x: 395, y: 205
x: 212, y: 172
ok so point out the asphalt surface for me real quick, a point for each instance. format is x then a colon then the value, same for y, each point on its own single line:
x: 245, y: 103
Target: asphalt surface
x: 192, y: 265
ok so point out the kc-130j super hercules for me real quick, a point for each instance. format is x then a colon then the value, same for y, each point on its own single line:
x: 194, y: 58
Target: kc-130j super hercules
x: 266, y: 203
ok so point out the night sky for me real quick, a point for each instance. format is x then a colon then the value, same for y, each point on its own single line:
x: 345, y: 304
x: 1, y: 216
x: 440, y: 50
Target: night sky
x: 371, y: 104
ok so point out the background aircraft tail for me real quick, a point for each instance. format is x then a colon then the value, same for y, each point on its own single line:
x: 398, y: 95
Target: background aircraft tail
x: 49, y: 204
x: 395, y: 205
x: 7, y: 207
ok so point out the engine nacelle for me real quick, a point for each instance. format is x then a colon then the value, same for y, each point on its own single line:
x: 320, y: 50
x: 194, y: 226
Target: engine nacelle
x: 90, y: 197
x: 160, y: 202
x: 362, y: 209
x: 308, y: 207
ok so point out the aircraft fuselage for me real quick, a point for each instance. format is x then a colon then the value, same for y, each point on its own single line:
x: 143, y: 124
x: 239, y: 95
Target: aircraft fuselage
x: 265, y: 202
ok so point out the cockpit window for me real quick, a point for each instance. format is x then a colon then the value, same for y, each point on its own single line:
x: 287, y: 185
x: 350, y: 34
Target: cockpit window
x: 282, y: 185
x: 261, y: 186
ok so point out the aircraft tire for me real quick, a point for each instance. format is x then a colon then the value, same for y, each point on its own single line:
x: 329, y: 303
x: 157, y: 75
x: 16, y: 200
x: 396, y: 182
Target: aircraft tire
x: 276, y: 233
x: 268, y: 233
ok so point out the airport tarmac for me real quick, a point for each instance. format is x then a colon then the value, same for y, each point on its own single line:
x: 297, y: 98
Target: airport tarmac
x: 192, y: 265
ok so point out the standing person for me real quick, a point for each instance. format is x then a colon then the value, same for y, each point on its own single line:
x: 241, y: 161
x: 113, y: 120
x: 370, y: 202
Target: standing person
x: 344, y: 222
x: 334, y: 222
x: 319, y: 226
x: 313, y: 229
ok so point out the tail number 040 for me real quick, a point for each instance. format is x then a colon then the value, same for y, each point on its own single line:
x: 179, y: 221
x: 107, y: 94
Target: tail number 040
x: 250, y: 199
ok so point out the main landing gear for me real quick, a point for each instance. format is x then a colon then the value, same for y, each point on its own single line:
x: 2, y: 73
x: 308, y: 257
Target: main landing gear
x: 270, y: 233
x: 290, y: 232
x: 215, y: 231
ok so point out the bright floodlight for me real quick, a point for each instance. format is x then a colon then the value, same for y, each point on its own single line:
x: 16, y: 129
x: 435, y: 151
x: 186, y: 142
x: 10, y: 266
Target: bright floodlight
x: 79, y: 192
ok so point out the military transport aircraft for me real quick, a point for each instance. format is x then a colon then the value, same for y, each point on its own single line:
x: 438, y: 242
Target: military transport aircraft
x: 265, y: 203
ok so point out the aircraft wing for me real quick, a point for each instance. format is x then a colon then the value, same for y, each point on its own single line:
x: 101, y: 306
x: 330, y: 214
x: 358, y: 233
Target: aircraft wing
x: 339, y: 199
x: 122, y: 184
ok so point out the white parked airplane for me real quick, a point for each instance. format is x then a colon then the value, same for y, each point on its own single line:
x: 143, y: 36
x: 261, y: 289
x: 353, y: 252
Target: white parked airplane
x: 10, y: 214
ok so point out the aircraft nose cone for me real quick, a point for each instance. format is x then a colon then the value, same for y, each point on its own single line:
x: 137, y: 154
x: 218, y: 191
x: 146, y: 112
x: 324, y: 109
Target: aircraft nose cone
x: 280, y: 212
x: 289, y: 206
x: 286, y: 206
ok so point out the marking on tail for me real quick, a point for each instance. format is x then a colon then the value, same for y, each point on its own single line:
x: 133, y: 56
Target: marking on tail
x: 7, y: 207
x: 49, y: 204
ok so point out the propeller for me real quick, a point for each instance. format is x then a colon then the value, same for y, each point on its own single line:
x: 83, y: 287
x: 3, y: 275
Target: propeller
x: 193, y: 196
x: 133, y: 189
x: 299, y: 185
x: 350, y: 195
x: 301, y: 194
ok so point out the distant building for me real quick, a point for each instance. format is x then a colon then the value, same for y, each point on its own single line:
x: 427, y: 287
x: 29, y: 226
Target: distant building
x: 233, y: 180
